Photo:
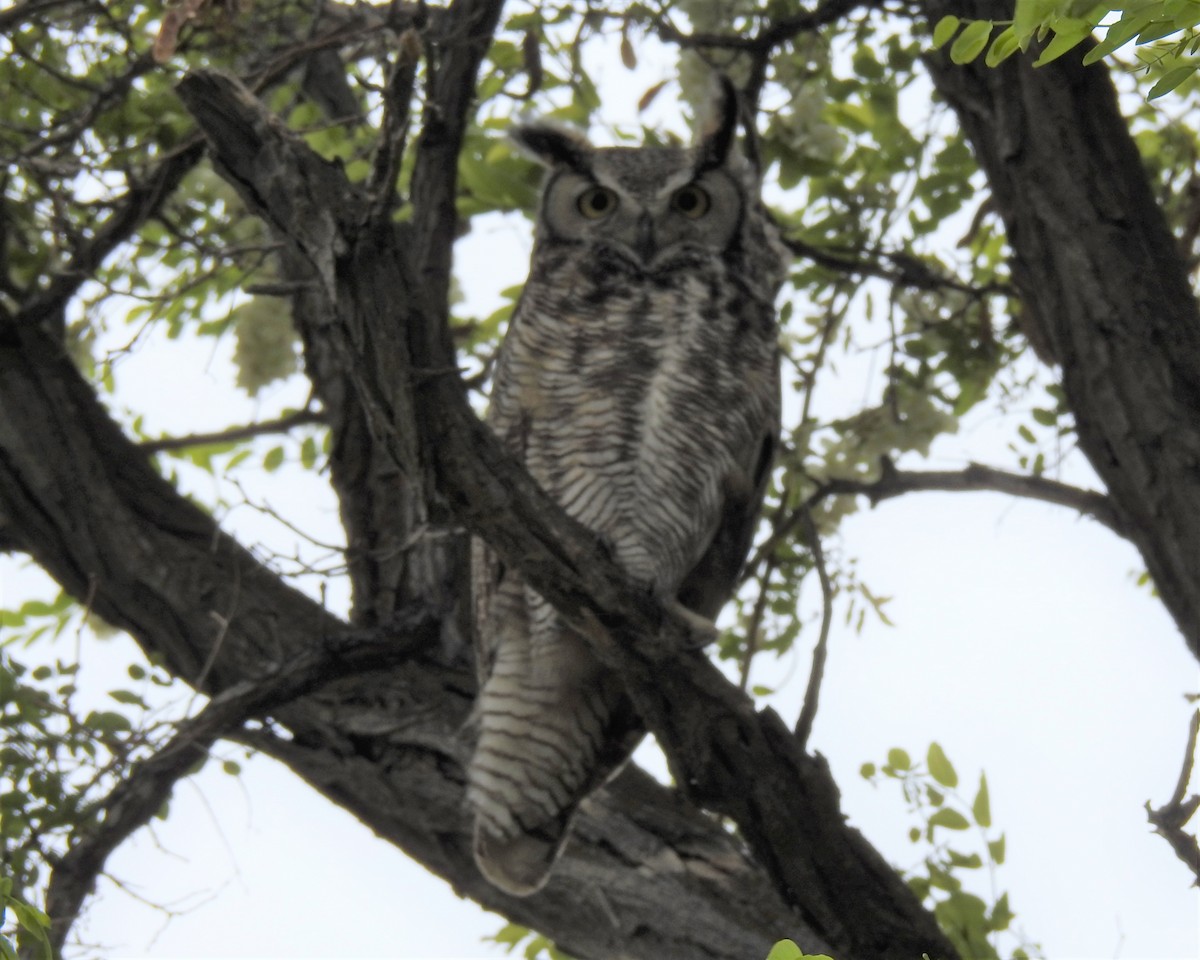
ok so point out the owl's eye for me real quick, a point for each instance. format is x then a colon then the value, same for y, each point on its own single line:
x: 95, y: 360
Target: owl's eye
x: 692, y: 201
x: 596, y: 202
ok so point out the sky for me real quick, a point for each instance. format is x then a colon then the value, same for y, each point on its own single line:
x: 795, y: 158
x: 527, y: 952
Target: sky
x: 1021, y: 643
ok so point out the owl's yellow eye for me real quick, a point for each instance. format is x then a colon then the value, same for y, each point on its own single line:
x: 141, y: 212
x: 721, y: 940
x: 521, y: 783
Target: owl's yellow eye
x: 596, y: 202
x: 692, y: 201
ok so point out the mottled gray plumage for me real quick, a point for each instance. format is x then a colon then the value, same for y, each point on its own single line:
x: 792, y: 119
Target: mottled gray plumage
x: 638, y: 382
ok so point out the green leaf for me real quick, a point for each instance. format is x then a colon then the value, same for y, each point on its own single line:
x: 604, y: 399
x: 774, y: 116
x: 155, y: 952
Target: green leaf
x: 107, y: 721
x: 981, y: 809
x: 867, y: 771
x: 940, y: 768
x: 232, y: 767
x: 785, y: 950
x: 971, y: 41
x: 1047, y: 418
x: 308, y: 453
x: 1028, y: 15
x: 127, y: 697
x: 1002, y: 914
x: 274, y: 459
x: 950, y: 819
x: 966, y: 861
x: 1170, y: 80
x: 510, y: 934
x: 996, y: 850
x: 899, y: 759
x: 1068, y: 34
x: 1003, y: 46
x: 29, y: 916
x: 945, y: 29
x: 788, y: 950
x: 1120, y: 33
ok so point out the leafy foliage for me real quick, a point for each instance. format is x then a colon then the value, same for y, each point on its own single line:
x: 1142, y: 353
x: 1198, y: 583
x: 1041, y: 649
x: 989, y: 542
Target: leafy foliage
x: 787, y: 950
x: 523, y: 942
x: 1165, y: 30
x: 57, y: 759
x: 945, y: 821
x: 32, y: 926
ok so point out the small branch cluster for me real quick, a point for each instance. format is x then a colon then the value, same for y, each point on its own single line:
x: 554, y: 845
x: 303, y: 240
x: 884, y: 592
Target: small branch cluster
x: 1170, y: 819
x: 148, y: 784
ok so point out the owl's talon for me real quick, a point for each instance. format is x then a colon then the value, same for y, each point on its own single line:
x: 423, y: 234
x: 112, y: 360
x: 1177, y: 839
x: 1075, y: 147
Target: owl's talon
x: 701, y: 630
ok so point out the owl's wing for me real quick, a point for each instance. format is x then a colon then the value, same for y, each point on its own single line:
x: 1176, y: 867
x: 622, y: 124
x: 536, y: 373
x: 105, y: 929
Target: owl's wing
x: 712, y: 580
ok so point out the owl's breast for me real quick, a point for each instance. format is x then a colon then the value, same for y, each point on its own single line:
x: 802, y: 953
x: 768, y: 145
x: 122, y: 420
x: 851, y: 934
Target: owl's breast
x: 641, y: 399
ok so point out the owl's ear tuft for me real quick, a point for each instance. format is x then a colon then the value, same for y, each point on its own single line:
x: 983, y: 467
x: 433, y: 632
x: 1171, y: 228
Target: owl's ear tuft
x: 553, y: 146
x: 719, y: 132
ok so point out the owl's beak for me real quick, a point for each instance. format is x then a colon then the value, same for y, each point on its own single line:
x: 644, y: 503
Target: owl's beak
x: 643, y: 242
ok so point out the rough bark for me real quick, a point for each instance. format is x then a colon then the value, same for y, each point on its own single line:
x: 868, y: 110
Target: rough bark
x: 1100, y: 274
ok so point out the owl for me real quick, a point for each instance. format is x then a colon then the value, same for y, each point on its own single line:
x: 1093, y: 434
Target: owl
x: 638, y: 382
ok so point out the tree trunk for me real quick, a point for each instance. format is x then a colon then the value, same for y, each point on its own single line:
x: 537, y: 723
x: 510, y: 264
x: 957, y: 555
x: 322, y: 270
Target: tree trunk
x: 1100, y: 274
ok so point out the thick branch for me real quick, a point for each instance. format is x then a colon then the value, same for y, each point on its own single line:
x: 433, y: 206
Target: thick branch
x: 1100, y: 274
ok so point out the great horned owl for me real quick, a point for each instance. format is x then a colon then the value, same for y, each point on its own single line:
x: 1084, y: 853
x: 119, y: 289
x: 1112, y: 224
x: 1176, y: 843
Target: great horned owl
x: 639, y: 384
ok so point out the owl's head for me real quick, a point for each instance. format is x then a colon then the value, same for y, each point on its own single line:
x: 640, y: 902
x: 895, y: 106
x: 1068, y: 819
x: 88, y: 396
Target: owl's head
x: 653, y: 206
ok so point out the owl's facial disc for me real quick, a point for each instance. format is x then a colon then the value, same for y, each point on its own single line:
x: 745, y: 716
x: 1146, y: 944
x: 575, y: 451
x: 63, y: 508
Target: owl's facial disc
x: 627, y: 205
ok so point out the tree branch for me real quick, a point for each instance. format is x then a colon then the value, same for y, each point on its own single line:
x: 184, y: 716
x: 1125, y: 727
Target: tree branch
x: 1170, y: 819
x: 233, y: 434
x: 140, y: 202
x: 773, y: 34
x: 900, y: 269
x: 975, y: 478
x: 978, y: 478
x: 812, y: 693
x: 147, y: 785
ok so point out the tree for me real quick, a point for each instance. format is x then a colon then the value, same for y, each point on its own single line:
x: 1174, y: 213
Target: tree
x: 322, y: 160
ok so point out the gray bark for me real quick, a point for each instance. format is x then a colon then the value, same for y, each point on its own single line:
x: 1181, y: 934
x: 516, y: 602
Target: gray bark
x: 1100, y: 275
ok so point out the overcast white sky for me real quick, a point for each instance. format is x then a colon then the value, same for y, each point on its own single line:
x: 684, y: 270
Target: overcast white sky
x: 1021, y: 644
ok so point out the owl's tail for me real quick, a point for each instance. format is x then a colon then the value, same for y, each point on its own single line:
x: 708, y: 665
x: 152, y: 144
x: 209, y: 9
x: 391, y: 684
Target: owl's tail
x: 551, y: 732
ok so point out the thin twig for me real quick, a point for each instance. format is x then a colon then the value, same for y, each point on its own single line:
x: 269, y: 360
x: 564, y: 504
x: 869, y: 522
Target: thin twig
x: 1169, y: 820
x: 975, y: 478
x: 393, y: 136
x: 812, y: 695
x: 233, y: 434
x: 896, y: 267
